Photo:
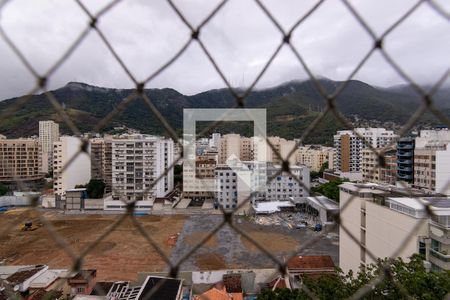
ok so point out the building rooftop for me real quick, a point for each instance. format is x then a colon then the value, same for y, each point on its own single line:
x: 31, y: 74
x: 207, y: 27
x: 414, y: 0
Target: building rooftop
x: 268, y: 207
x: 156, y: 288
x: 219, y: 292
x: 76, y: 190
x: 313, y: 262
x: 24, y: 274
x: 324, y: 202
x: 47, y: 278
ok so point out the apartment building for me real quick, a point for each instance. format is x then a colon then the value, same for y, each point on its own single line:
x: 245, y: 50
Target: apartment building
x: 237, y: 182
x: 214, y: 141
x: 348, y: 146
x: 284, y: 185
x: 20, y: 160
x: 234, y: 146
x: 67, y: 175
x: 432, y: 161
x: 101, y: 160
x: 48, y: 134
x: 382, y: 221
x: 314, y: 156
x: 97, y: 158
x: 139, y: 163
x: 204, y: 169
x: 372, y: 171
x: 405, y: 159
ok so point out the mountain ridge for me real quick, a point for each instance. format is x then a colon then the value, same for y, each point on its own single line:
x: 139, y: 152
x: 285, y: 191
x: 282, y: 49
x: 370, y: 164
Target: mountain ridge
x: 292, y: 106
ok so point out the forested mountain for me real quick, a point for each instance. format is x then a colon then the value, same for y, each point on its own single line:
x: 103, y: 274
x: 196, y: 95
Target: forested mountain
x: 291, y: 107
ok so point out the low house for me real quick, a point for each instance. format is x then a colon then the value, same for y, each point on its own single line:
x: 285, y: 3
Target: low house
x: 314, y: 265
x: 219, y: 292
x: 20, y: 280
x: 82, y: 282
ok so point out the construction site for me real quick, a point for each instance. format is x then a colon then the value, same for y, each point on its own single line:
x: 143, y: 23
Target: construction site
x: 124, y: 252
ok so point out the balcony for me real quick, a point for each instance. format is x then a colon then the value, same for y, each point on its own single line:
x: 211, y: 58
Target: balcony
x: 404, y: 153
x: 440, y: 259
x: 401, y: 146
x: 405, y: 176
x: 405, y: 161
x: 405, y: 169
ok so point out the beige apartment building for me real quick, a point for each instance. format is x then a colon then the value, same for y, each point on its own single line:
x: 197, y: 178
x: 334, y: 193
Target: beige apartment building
x: 204, y: 169
x: 256, y: 148
x: 233, y: 145
x: 314, y: 156
x: 48, y: 134
x: 382, y: 221
x: 264, y: 152
x: 20, y: 160
x: 373, y: 172
x: 432, y: 161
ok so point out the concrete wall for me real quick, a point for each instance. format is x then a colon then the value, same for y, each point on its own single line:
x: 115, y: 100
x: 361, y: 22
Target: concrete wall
x: 386, y: 231
x: 349, y: 250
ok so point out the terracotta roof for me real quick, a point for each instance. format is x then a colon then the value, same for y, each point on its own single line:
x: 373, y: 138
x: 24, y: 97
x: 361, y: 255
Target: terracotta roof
x: 311, y: 262
x: 219, y: 293
x: 21, y: 276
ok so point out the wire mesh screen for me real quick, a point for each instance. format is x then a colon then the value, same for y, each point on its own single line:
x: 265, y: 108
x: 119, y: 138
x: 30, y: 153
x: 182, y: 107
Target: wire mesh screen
x: 240, y: 96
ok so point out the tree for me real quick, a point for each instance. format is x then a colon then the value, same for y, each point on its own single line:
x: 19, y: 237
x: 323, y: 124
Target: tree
x: 95, y: 188
x: 3, y: 189
x: 314, y: 174
x: 330, y: 189
x: 411, y: 278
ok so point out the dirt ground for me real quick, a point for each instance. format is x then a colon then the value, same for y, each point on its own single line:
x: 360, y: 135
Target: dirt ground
x: 119, y: 256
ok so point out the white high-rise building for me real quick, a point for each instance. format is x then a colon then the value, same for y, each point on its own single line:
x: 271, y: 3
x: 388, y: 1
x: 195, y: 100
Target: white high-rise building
x: 48, y: 134
x: 348, y: 146
x: 138, y: 166
x: 75, y: 173
x: 214, y: 141
x: 381, y: 221
x: 236, y: 181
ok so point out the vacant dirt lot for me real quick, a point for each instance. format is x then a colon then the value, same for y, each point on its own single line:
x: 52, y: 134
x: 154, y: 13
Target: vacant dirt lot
x: 119, y: 256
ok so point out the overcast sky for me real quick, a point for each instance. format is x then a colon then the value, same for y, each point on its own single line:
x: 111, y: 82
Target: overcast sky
x: 241, y: 39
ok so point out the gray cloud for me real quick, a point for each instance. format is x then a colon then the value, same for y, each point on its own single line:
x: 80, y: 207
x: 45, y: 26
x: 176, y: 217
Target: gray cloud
x: 240, y: 37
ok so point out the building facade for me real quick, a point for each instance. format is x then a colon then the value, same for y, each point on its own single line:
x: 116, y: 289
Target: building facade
x: 372, y: 171
x: 247, y: 182
x: 348, y: 146
x: 48, y: 134
x: 432, y: 161
x: 20, y: 160
x: 140, y: 170
x: 382, y: 222
x: 314, y: 156
x: 68, y: 170
x: 405, y: 159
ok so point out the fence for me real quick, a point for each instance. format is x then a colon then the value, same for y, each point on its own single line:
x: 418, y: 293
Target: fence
x: 240, y: 102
